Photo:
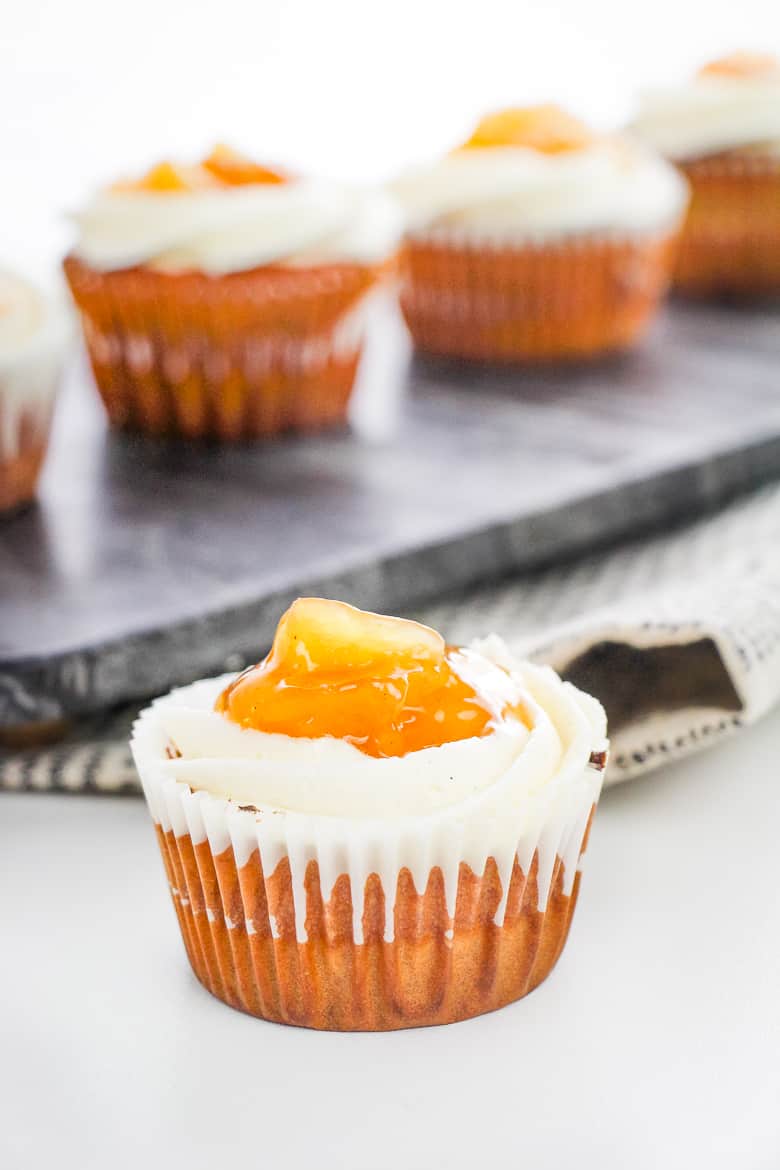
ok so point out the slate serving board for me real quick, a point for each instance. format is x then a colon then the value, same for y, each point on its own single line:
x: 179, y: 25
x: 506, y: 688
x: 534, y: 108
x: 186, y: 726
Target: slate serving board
x: 148, y: 563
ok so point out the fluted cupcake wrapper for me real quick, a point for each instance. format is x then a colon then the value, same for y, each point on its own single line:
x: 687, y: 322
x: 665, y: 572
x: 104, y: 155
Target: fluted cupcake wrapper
x: 361, y: 925
x: 495, y: 301
x: 238, y: 356
x: 731, y: 240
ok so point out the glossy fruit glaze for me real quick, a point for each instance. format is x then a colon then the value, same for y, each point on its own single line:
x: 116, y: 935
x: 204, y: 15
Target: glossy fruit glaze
x: 546, y: 128
x: 386, y: 685
x: 223, y: 167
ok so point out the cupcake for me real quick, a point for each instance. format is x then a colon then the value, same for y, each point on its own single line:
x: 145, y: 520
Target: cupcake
x: 370, y: 829
x: 226, y: 299
x: 33, y: 340
x: 537, y: 239
x: 722, y: 129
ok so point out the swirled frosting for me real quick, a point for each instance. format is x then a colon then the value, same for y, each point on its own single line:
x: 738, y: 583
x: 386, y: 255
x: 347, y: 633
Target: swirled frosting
x: 723, y: 108
x: 513, y: 192
x: 328, y: 777
x: 233, y: 228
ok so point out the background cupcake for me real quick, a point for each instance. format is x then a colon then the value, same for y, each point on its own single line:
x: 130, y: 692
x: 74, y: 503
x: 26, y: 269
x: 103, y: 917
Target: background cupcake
x: 33, y: 339
x: 722, y: 129
x: 536, y: 239
x: 226, y: 299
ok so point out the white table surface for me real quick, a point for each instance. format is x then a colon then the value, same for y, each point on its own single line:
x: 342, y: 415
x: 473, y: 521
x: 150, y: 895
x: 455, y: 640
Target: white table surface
x: 655, y: 1043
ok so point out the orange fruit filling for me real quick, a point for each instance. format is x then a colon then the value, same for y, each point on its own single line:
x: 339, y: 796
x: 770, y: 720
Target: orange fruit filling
x: 546, y: 128
x: 224, y: 167
x: 386, y: 685
x: 167, y: 177
x: 235, y: 169
x: 742, y: 65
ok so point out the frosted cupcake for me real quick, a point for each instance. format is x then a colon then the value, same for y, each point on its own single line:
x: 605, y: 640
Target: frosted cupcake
x: 722, y: 129
x: 226, y: 299
x: 537, y: 239
x: 371, y: 830
x: 33, y: 340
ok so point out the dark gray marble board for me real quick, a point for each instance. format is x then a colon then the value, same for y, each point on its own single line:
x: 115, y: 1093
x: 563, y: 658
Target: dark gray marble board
x: 148, y: 563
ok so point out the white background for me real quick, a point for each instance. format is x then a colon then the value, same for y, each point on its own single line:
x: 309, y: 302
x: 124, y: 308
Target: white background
x: 652, y: 1046
x: 92, y: 89
x: 655, y: 1043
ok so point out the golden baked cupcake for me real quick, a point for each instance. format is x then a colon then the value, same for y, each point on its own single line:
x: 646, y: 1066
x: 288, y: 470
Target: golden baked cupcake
x: 34, y: 334
x: 722, y: 129
x: 537, y: 239
x: 225, y: 299
x: 370, y: 829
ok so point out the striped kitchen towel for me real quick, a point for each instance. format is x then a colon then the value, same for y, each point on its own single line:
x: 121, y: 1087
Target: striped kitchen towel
x: 677, y: 634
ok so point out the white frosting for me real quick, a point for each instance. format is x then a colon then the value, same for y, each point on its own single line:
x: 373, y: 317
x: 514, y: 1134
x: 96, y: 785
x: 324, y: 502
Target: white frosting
x: 34, y: 334
x: 711, y: 114
x: 23, y: 315
x: 510, y: 794
x: 508, y: 193
x: 330, y: 777
x: 237, y: 228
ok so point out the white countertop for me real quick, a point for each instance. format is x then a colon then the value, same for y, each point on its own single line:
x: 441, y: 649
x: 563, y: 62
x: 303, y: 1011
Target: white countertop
x: 655, y: 1042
